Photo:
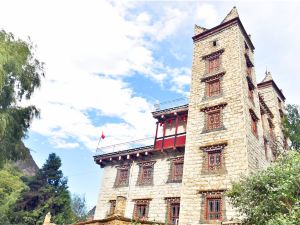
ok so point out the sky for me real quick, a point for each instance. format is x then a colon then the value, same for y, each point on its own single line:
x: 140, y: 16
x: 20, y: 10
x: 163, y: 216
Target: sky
x: 108, y: 62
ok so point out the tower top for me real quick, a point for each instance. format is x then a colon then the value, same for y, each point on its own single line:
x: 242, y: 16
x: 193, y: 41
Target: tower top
x: 231, y: 15
x: 268, y: 76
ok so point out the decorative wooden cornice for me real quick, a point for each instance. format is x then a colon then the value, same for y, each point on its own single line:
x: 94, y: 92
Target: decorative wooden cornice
x: 214, y: 146
x: 215, y: 107
x: 223, y: 26
x: 253, y: 115
x: 147, y: 163
x: 213, y: 54
x: 248, y: 60
x: 177, y: 159
x: 250, y: 83
x: 264, y: 106
x: 143, y: 200
x: 212, y: 191
x: 213, y: 77
x: 172, y: 199
x: 125, y: 166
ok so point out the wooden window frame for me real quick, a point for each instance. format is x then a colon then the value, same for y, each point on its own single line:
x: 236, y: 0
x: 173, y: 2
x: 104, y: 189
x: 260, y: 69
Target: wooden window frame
x: 213, y: 90
x: 145, y: 203
x: 218, y: 213
x: 214, y: 63
x: 254, y: 120
x: 119, y: 182
x: 173, y: 177
x: 112, y: 206
x: 142, y: 179
x: 214, y: 165
x: 170, y: 203
x: 215, y: 125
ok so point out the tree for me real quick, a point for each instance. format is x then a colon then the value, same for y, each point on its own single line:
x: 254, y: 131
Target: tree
x: 20, y: 74
x: 10, y: 188
x: 291, y: 124
x: 271, y: 196
x: 48, y: 192
x: 79, y: 207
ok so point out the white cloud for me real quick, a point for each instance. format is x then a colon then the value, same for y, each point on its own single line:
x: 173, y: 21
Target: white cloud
x: 80, y: 40
x: 207, y: 15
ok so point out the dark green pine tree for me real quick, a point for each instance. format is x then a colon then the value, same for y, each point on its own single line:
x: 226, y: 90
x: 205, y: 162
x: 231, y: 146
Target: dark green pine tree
x: 47, y: 192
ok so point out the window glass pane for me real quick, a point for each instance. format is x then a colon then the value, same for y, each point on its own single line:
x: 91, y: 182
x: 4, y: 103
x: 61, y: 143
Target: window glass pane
x: 218, y: 158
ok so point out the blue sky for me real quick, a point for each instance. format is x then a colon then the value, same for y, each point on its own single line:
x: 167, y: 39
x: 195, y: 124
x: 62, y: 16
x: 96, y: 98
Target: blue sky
x: 108, y: 62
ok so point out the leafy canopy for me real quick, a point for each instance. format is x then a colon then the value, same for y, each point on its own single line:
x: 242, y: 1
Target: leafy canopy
x: 271, y: 196
x: 20, y: 74
x: 291, y: 124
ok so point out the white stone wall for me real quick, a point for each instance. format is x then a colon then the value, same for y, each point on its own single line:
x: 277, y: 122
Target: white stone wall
x: 157, y: 192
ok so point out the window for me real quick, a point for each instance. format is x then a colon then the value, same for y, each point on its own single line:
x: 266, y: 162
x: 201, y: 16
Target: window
x: 213, y: 64
x: 254, y: 126
x: 254, y: 120
x: 214, y: 208
x: 122, y: 178
x: 112, y: 206
x: 146, y: 173
x: 266, y: 149
x: 173, y: 208
x: 250, y: 94
x: 214, y: 43
x: 213, y: 120
x: 249, y: 71
x: 141, y: 209
x: 174, y: 213
x: 213, y: 88
x: 214, y: 160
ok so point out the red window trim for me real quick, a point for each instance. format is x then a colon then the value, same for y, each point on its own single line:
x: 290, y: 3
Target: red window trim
x: 208, y: 213
x: 213, y: 64
x: 170, y: 202
x: 214, y: 166
x: 213, y: 87
x: 216, y: 124
x: 141, y: 203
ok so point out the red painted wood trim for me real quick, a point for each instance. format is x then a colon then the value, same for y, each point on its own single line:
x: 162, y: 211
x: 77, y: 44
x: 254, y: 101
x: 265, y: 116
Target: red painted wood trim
x: 176, y: 129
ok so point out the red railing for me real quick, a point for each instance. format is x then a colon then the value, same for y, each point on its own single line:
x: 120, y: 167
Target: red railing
x: 170, y: 141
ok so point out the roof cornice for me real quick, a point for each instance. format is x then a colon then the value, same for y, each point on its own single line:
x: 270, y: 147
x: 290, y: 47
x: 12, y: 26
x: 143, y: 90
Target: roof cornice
x: 274, y: 85
x: 223, y: 26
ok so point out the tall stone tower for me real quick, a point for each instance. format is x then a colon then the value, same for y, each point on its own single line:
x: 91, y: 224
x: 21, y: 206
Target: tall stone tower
x: 224, y: 130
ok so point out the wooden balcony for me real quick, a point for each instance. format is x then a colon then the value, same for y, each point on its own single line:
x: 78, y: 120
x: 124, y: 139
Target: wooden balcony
x: 170, y: 141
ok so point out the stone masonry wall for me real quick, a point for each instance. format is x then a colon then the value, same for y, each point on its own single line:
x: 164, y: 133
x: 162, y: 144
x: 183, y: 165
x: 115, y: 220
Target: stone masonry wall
x: 157, y: 192
x: 235, y: 119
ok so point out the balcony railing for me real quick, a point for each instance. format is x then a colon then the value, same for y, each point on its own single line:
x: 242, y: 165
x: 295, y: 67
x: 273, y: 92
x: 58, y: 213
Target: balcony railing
x: 171, y: 104
x: 139, y: 143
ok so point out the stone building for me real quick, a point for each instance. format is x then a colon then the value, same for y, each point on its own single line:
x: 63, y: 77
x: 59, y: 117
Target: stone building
x: 230, y: 127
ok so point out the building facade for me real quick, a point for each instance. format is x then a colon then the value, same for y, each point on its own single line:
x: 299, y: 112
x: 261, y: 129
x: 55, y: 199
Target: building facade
x: 230, y: 127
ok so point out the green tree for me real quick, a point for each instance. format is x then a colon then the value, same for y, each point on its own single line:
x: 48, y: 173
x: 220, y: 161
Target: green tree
x: 291, y: 124
x: 48, y: 192
x: 79, y: 207
x: 271, y: 196
x: 11, y: 186
x: 20, y: 74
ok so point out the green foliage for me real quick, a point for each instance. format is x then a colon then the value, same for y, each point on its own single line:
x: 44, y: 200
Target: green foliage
x: 48, y: 192
x: 291, y: 124
x: 271, y: 196
x: 10, y: 188
x: 20, y: 74
x: 79, y: 208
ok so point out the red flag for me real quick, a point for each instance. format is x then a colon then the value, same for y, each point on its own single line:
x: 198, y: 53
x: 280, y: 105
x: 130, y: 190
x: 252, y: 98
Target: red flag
x: 102, y: 135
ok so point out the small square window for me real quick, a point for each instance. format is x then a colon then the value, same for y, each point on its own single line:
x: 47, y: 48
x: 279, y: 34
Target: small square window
x: 213, y: 88
x: 213, y: 120
x: 214, y: 43
x: 214, y: 208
